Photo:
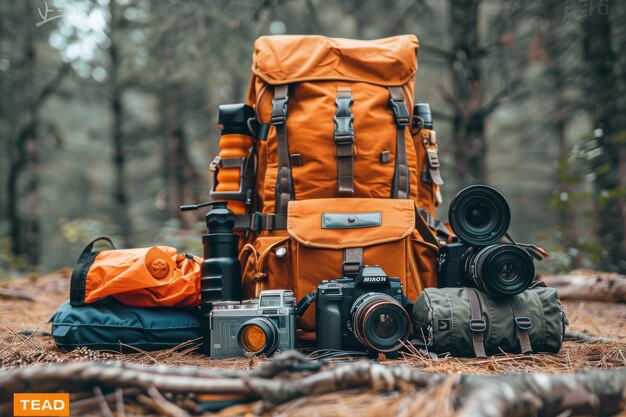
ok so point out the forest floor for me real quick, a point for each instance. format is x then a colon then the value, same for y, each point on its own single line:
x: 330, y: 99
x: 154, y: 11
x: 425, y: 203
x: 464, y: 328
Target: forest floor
x: 27, y: 303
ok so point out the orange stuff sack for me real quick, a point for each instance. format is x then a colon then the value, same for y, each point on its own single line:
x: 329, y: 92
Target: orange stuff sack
x: 338, y: 166
x: 143, y: 277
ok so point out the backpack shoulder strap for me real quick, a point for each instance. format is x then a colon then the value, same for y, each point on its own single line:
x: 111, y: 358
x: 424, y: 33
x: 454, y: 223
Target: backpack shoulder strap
x: 400, y: 186
x: 284, y: 182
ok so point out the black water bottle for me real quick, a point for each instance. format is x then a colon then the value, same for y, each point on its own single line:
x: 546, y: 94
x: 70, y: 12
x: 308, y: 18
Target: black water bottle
x: 220, y: 276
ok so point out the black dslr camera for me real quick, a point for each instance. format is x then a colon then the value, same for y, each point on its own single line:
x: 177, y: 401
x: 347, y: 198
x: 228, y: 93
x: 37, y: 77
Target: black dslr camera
x: 480, y: 216
x: 365, y: 311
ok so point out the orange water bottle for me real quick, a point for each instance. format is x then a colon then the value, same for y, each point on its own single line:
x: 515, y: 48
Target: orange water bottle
x: 233, y: 168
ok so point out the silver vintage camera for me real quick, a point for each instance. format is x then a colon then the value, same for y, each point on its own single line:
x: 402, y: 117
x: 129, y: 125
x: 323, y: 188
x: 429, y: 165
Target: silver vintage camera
x: 259, y: 326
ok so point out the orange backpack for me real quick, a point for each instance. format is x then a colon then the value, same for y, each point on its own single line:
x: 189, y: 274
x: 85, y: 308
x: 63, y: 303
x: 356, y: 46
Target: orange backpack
x: 338, y: 167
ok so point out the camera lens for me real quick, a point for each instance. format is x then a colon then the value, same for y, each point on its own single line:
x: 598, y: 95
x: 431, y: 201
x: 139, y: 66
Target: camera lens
x: 379, y: 322
x: 501, y: 270
x: 479, y: 215
x: 385, y: 325
x: 507, y: 271
x: 258, y: 336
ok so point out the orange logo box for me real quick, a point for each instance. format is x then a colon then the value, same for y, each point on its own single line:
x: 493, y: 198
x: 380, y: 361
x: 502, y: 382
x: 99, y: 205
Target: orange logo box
x: 33, y: 405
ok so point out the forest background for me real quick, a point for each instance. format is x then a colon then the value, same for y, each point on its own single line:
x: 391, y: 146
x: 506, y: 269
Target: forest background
x: 108, y: 113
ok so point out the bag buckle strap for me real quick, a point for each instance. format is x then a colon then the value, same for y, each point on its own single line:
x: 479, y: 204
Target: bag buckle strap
x: 352, y: 261
x: 478, y: 325
x: 400, y: 111
x: 523, y: 323
x: 351, y: 269
x: 279, y: 110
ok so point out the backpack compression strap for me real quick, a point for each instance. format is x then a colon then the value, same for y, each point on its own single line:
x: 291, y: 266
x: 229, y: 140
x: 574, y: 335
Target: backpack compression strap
x: 477, y: 324
x: 400, y: 187
x: 344, y: 142
x: 284, y: 187
x: 522, y: 325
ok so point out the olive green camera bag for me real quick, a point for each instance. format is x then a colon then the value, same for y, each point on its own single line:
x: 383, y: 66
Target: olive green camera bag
x: 466, y: 322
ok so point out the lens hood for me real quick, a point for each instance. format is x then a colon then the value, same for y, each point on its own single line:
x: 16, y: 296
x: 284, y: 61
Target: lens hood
x: 479, y: 215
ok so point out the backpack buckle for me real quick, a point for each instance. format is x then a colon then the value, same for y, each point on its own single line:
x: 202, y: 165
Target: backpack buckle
x: 523, y: 323
x: 279, y: 111
x: 344, y: 123
x: 478, y: 325
x: 255, y: 221
x: 433, y: 157
x: 400, y: 112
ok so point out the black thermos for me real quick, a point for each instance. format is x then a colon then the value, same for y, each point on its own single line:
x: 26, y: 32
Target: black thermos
x: 220, y: 275
x: 221, y: 270
x: 422, y: 110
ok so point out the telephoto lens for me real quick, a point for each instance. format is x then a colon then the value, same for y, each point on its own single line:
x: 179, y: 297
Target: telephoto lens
x: 501, y: 269
x: 479, y: 215
x: 380, y: 322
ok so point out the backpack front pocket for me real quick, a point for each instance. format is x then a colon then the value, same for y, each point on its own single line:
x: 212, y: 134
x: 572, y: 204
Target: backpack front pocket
x: 333, y: 238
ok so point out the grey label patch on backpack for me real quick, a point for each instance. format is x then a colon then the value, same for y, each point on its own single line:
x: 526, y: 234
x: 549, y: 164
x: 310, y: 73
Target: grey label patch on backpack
x: 443, y: 325
x: 351, y: 220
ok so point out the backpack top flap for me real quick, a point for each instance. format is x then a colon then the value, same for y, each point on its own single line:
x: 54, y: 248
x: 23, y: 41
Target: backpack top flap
x: 338, y: 223
x: 288, y: 59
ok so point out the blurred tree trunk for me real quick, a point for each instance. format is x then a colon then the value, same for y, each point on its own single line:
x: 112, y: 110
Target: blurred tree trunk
x: 175, y: 151
x: 619, y: 15
x: 470, y: 145
x: 23, y: 142
x: 603, y: 95
x: 25, y: 240
x: 180, y: 174
x: 33, y: 228
x: 26, y: 235
x: 567, y: 213
x: 166, y: 163
x: 120, y: 193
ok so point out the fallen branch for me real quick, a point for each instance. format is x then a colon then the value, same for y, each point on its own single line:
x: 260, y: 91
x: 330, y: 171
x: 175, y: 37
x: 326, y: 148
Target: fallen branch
x: 16, y: 295
x: 589, y: 392
x: 165, y: 406
x: 594, y: 392
x: 582, y: 285
x: 585, y: 338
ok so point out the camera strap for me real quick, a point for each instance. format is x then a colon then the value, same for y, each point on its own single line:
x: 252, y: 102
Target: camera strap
x: 423, y: 228
x: 533, y: 250
x: 305, y: 303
